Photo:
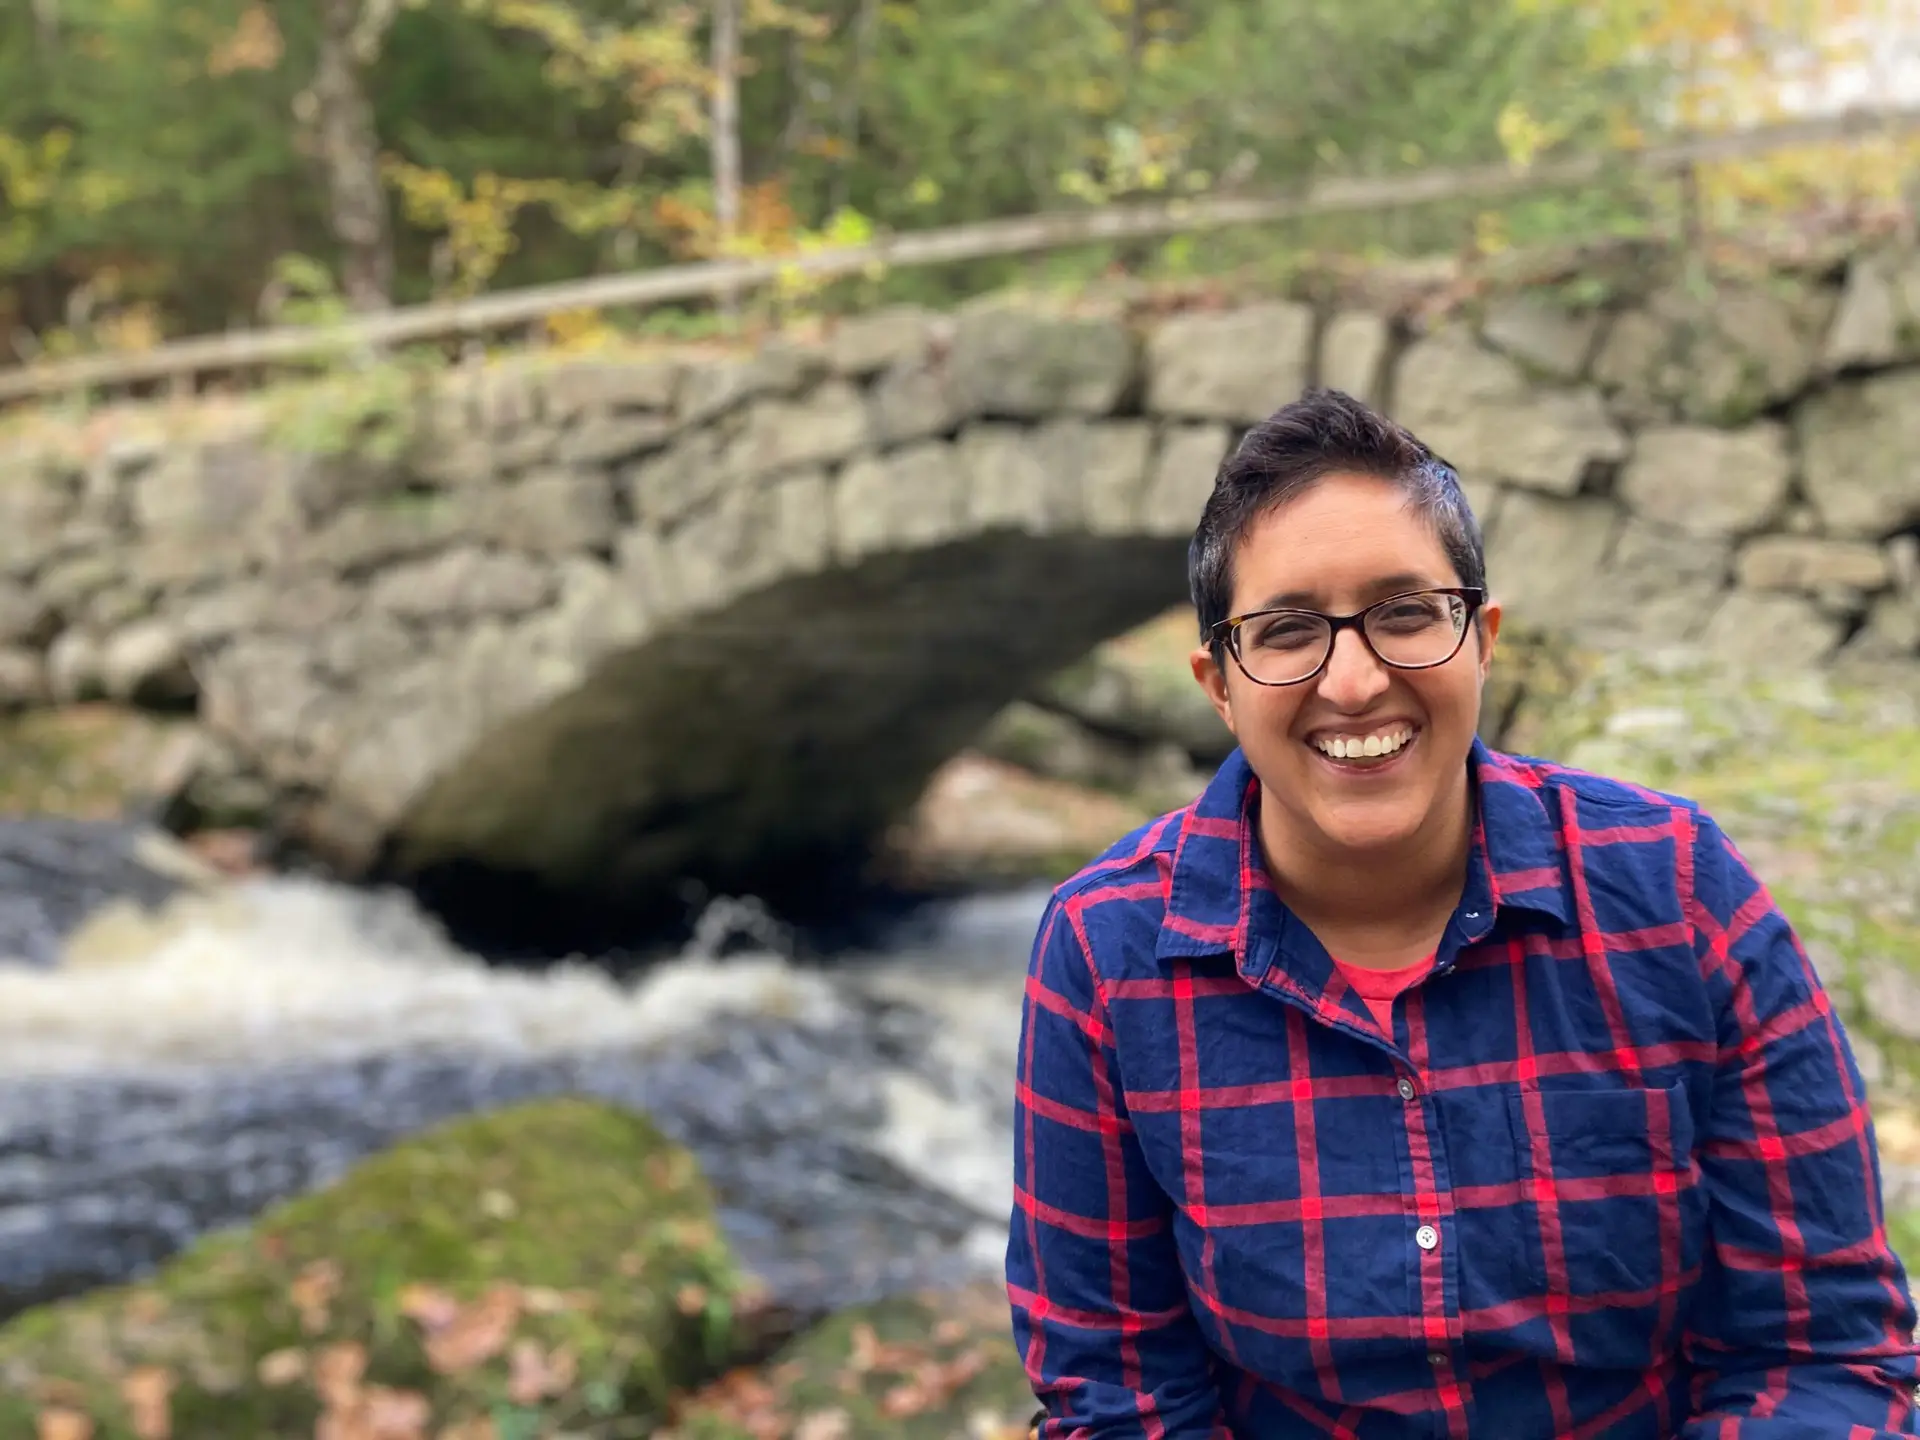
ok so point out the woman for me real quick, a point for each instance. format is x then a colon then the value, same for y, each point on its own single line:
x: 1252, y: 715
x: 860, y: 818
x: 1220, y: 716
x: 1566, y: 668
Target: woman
x: 1397, y: 1087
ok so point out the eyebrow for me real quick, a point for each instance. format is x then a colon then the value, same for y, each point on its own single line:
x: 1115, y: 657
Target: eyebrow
x: 1386, y: 585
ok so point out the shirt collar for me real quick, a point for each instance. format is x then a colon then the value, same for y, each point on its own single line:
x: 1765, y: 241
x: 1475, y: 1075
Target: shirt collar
x: 1515, y: 860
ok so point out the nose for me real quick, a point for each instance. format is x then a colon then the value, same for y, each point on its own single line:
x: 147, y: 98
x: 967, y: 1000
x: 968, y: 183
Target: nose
x: 1354, y: 677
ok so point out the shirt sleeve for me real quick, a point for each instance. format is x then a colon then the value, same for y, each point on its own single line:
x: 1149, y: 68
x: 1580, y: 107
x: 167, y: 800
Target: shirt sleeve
x: 1804, y: 1323
x: 1100, y: 1310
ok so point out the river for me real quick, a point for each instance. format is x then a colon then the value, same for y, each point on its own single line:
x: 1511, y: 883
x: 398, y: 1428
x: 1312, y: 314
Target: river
x: 180, y: 1069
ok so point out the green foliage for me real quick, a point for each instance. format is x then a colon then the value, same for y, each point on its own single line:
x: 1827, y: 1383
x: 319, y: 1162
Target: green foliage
x: 159, y: 158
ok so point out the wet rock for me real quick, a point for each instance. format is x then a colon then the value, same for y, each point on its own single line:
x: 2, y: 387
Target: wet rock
x: 54, y: 873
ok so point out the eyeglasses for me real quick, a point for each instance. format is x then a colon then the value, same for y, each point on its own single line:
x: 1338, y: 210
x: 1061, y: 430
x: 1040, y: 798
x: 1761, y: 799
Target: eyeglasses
x: 1414, y: 631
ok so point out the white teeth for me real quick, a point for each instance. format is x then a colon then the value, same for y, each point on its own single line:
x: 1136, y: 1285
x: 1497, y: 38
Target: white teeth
x: 1355, y: 747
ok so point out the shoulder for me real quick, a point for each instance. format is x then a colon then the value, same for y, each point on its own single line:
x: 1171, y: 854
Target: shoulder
x: 1630, y: 836
x: 1114, y: 904
x: 1570, y: 795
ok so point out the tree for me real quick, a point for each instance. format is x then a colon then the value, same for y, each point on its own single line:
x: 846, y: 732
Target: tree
x: 351, y: 34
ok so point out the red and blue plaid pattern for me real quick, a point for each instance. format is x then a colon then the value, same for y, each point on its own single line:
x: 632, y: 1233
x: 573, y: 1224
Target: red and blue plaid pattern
x: 1611, y: 1173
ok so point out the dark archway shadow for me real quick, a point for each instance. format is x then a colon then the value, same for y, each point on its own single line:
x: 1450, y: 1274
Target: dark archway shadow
x: 763, y: 747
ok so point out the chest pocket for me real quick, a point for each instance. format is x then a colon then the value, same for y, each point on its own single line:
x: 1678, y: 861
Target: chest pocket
x: 1616, y: 1211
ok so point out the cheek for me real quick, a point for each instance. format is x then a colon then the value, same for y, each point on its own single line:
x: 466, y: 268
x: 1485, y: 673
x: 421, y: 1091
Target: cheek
x: 1263, y: 713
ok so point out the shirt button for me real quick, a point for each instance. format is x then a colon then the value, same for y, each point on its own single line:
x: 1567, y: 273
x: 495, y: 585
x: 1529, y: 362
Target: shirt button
x: 1406, y: 1088
x: 1436, y: 1359
x: 1426, y: 1237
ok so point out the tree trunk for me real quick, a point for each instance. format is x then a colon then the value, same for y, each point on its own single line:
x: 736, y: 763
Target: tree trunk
x: 725, y: 122
x: 852, y: 98
x: 350, y: 35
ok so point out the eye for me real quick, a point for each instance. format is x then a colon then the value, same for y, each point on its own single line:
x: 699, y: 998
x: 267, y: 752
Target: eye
x: 1285, y: 632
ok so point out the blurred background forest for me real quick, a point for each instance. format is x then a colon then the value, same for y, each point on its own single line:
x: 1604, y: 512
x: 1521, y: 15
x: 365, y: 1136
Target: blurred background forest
x: 173, y: 167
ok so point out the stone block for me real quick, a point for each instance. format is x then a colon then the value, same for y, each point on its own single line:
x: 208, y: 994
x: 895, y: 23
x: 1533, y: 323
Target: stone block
x: 1008, y: 482
x: 550, y: 512
x: 73, y: 667
x: 668, y: 486
x: 1720, y: 356
x: 1868, y: 323
x: 460, y: 585
x: 364, y: 536
x: 1771, y: 633
x: 1860, y: 443
x: 579, y: 387
x: 1184, y: 467
x: 1237, y: 365
x: 1811, y: 564
x: 1659, y: 586
x: 801, y: 506
x: 25, y: 616
x: 23, y: 678
x: 145, y: 663
x: 609, y: 439
x: 913, y: 401
x: 1546, y: 561
x: 1551, y: 339
x: 1478, y: 411
x: 1013, y: 362
x: 34, y: 506
x: 908, y: 498
x: 1096, y: 471
x: 899, y: 336
x: 1706, y: 481
x: 823, y: 429
x: 1353, y: 354
x: 1892, y: 631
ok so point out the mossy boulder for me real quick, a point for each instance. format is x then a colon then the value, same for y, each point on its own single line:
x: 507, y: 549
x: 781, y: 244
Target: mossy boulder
x: 550, y: 1268
x: 1139, y: 687
x: 933, y: 1367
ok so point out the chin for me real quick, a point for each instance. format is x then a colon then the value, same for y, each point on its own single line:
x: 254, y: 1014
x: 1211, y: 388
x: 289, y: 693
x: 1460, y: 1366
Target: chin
x: 1369, y: 827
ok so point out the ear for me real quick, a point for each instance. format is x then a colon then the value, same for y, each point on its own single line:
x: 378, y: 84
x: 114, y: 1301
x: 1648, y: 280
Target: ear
x: 1488, y: 621
x: 1212, y: 679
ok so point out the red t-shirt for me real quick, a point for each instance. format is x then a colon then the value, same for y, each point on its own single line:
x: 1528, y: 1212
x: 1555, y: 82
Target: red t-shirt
x: 1380, y: 988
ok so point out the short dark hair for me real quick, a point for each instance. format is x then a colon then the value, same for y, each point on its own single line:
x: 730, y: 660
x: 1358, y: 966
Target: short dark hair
x: 1322, y: 433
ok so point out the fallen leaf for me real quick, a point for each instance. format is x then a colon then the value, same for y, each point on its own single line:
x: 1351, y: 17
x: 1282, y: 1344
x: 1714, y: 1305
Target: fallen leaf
x: 312, y: 1293
x: 62, y: 1424
x: 337, y: 1371
x: 148, y: 1396
x: 388, y: 1414
x: 478, y: 1333
x: 281, y: 1367
x: 533, y: 1374
x: 428, y: 1306
x: 691, y: 1299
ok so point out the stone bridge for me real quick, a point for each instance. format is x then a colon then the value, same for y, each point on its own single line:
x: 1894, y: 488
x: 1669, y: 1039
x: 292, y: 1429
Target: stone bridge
x: 618, y: 623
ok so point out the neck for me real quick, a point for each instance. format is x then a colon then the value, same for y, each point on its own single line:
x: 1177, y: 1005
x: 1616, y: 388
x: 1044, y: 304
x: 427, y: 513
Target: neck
x: 1387, y: 893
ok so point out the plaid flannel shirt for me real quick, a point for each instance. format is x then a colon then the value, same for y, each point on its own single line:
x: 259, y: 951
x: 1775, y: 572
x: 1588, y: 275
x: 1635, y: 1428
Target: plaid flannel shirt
x: 1610, y: 1173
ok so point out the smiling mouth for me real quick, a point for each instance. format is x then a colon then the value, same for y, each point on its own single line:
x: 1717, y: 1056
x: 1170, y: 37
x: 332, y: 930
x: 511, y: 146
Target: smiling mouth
x: 1366, y: 752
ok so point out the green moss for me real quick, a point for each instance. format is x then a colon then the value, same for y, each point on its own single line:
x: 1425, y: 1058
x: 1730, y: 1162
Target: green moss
x: 601, y: 1232
x: 919, y: 1368
x: 88, y: 762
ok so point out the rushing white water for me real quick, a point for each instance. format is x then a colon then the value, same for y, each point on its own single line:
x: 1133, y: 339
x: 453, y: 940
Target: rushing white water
x: 233, y: 1022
